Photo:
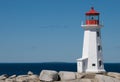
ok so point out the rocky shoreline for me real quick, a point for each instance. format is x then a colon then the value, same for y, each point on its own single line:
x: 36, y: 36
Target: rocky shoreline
x: 62, y: 76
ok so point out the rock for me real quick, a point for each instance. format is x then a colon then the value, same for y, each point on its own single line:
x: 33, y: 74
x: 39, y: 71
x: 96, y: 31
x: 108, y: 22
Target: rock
x: 2, y: 80
x: 33, y: 78
x: 27, y: 78
x: 64, y: 75
x: 89, y: 75
x: 78, y: 80
x: 10, y: 80
x: 13, y: 76
x: 48, y: 75
x: 79, y: 75
x: 30, y: 73
x: 113, y: 74
x: 103, y: 78
x: 86, y: 80
x: 22, y: 78
x: 3, y: 77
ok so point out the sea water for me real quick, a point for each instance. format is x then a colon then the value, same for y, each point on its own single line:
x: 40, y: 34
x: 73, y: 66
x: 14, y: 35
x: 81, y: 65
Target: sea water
x: 23, y: 68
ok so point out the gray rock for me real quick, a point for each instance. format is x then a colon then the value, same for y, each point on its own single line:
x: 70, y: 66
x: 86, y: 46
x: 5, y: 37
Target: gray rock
x: 89, y: 75
x: 3, y: 77
x: 33, y: 78
x: 78, y: 80
x: 22, y: 78
x: 48, y: 75
x: 80, y: 75
x: 87, y: 80
x: 64, y: 75
x: 2, y: 80
x: 13, y: 76
x: 10, y: 80
x: 30, y: 73
x: 103, y: 78
x: 113, y: 74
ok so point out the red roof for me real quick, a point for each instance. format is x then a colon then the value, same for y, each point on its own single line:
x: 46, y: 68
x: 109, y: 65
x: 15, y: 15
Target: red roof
x: 92, y: 12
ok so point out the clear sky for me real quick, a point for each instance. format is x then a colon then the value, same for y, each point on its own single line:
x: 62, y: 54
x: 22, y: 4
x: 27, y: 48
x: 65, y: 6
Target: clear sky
x: 50, y: 31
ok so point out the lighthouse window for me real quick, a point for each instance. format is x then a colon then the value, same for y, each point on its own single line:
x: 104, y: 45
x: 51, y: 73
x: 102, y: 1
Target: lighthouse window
x: 91, y: 17
x: 98, y: 33
x: 93, y: 64
x: 99, y: 47
x: 100, y: 63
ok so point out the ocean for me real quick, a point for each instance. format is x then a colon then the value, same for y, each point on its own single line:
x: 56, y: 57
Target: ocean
x: 23, y: 68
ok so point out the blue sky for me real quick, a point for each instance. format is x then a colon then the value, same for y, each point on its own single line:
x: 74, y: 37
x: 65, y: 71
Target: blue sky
x: 50, y: 31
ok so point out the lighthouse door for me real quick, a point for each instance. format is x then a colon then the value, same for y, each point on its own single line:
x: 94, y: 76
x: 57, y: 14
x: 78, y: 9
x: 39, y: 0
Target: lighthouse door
x: 84, y: 65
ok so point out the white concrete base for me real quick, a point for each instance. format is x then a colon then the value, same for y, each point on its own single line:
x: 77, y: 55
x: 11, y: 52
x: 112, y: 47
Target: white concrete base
x: 82, y: 64
x: 95, y: 71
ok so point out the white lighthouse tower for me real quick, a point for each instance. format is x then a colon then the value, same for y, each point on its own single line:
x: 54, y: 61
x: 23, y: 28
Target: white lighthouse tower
x: 92, y: 60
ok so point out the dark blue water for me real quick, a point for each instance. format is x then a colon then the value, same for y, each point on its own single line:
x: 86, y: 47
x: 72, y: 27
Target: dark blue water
x: 23, y: 68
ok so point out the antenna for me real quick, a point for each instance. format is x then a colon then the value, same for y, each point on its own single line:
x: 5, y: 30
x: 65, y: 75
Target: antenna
x: 92, y: 4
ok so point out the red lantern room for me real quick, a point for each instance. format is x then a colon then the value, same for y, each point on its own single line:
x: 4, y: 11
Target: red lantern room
x: 92, y: 17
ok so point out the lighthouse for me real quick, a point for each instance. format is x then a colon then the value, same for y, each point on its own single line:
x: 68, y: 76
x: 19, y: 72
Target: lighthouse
x: 92, y: 59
